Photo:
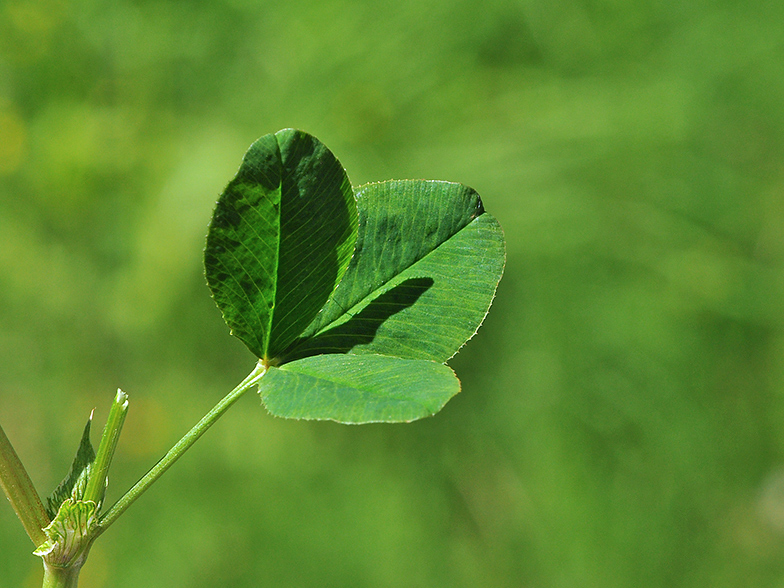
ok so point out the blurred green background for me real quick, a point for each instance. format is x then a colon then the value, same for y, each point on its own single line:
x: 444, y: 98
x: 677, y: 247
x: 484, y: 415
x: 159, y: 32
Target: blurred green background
x: 621, y: 418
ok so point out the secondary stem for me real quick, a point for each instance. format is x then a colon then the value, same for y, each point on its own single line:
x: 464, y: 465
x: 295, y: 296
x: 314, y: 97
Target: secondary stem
x: 21, y: 493
x: 96, y: 484
x: 179, y: 448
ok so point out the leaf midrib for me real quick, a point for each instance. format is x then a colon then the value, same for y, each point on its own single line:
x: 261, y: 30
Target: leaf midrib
x: 278, y: 217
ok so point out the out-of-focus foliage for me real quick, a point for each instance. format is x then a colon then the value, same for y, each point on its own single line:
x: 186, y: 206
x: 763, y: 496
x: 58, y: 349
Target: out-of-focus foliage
x: 620, y: 423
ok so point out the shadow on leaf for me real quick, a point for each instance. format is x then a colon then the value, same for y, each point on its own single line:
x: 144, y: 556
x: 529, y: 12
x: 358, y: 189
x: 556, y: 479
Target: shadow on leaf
x: 361, y: 328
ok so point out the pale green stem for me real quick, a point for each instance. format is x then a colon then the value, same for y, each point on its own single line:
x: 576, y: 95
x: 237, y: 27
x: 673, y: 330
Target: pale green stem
x: 55, y: 577
x: 21, y: 493
x: 179, y: 448
x: 96, y: 484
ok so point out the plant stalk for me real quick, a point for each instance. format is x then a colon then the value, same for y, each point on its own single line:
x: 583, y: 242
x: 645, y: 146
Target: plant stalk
x: 55, y: 577
x: 21, y: 493
x: 180, y: 448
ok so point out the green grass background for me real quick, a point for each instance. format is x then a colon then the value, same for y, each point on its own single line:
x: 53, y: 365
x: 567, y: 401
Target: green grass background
x: 621, y: 419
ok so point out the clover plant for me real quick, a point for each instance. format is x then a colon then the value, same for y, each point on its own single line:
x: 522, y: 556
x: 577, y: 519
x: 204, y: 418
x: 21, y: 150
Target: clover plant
x: 352, y: 299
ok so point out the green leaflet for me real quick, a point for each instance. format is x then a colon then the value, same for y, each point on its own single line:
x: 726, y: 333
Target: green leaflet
x: 355, y: 389
x: 427, y: 262
x: 280, y: 240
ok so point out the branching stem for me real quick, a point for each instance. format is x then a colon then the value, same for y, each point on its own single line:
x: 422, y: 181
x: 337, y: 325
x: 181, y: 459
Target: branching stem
x: 180, y: 448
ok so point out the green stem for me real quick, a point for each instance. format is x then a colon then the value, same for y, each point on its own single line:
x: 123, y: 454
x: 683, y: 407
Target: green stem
x: 55, y: 577
x: 179, y: 448
x: 96, y: 484
x: 21, y: 493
